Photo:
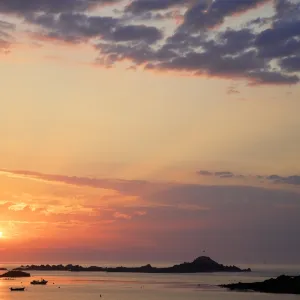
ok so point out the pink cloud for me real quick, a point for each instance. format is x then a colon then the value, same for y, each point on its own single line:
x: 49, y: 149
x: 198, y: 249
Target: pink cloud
x: 119, y: 215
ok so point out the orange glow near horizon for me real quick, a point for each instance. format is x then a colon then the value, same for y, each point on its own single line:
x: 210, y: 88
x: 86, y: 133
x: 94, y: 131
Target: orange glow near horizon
x: 99, y: 159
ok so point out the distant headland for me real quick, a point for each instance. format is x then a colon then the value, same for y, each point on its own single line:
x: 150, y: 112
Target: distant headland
x: 280, y: 285
x: 201, y: 264
x: 15, y: 274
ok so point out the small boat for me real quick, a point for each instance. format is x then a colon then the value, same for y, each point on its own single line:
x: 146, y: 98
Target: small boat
x: 43, y: 282
x: 17, y: 289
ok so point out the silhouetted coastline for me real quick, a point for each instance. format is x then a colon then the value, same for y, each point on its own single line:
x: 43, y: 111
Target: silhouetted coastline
x: 15, y: 274
x: 280, y: 285
x: 201, y: 264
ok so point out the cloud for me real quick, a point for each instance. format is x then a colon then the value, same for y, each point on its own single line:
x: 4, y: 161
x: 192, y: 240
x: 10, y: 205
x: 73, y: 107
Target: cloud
x: 290, y: 180
x: 291, y: 64
x: 265, y: 77
x: 127, y: 187
x: 73, y: 212
x: 48, y: 6
x: 119, y: 215
x: 7, y: 26
x: 6, y: 38
x: 75, y: 27
x: 232, y: 90
x: 142, y: 6
x: 153, y: 16
x: 135, y: 32
x: 4, y: 46
x: 247, y: 217
x: 140, y: 213
x: 259, y: 22
x: 224, y: 174
x: 284, y: 33
x: 205, y: 173
x: 294, y: 179
x: 205, y: 14
x: 78, y: 27
x: 231, y: 53
x: 198, y: 46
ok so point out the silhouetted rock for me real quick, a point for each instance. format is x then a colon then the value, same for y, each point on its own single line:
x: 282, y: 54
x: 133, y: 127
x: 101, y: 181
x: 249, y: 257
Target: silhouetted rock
x: 280, y: 285
x: 201, y: 264
x: 3, y: 269
x: 15, y: 274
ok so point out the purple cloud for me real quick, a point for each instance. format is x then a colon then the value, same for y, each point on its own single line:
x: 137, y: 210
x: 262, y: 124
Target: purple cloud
x: 142, y: 6
x: 195, y: 47
x: 240, y: 220
x: 20, y: 7
x: 290, y: 180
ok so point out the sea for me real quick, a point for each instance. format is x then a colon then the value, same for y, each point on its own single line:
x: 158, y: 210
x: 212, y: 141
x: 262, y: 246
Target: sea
x: 135, y: 286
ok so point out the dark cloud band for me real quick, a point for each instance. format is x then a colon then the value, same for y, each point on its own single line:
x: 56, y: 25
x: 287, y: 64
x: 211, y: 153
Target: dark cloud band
x: 258, y: 54
x: 292, y: 180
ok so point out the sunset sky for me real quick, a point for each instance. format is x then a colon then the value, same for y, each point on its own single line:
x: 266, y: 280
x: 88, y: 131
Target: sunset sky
x: 150, y: 130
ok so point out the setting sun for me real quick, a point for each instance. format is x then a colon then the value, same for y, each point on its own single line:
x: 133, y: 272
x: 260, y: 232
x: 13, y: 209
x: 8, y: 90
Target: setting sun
x: 1, y: 234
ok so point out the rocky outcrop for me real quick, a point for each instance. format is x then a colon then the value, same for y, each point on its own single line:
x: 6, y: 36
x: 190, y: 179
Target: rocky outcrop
x: 15, y: 274
x: 201, y: 264
x: 280, y: 285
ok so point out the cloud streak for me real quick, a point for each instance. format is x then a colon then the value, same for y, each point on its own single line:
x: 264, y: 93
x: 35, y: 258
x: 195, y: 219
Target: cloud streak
x: 6, y: 37
x: 49, y: 6
x: 128, y: 187
x: 77, y: 211
x: 142, y: 6
x: 277, y: 179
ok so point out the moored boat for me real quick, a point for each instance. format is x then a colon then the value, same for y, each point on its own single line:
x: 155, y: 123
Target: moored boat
x: 43, y: 282
x: 17, y: 289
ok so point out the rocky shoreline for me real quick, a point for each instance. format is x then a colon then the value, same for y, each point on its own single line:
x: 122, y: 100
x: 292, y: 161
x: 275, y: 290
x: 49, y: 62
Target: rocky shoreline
x: 280, y: 285
x: 200, y: 265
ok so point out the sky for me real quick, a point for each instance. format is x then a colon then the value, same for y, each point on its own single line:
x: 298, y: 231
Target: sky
x: 150, y: 130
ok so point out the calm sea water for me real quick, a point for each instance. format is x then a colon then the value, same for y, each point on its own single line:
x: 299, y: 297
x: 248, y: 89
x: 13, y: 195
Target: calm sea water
x: 122, y: 286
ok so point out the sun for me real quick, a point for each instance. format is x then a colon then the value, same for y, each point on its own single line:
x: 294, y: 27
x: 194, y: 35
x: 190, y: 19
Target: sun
x: 1, y: 234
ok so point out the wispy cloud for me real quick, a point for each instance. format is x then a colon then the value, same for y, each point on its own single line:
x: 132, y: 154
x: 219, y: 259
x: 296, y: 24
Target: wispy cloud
x: 119, y: 215
x: 291, y: 180
x: 6, y: 37
x: 232, y: 90
x: 74, y: 212
x: 123, y: 186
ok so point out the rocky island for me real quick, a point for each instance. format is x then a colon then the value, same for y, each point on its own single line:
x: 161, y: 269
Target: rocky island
x: 15, y: 274
x: 280, y: 285
x: 200, y: 265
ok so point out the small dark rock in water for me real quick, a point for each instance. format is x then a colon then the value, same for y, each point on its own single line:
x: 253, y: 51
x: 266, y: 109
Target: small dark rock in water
x: 280, y: 285
x: 15, y: 274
